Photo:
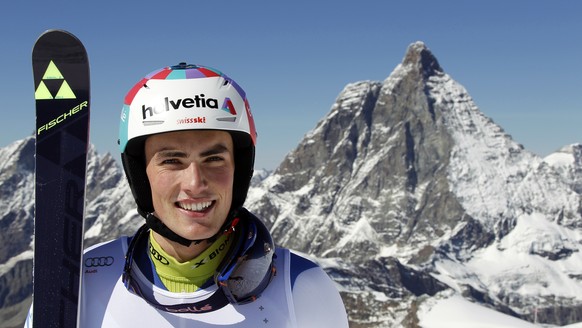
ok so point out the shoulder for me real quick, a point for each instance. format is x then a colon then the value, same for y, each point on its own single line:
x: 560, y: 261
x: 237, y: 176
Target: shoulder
x: 298, y: 265
x: 113, y: 246
x: 303, y: 269
x: 316, y: 298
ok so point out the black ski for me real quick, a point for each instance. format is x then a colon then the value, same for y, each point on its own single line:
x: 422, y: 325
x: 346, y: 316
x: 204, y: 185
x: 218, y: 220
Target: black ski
x: 61, y: 82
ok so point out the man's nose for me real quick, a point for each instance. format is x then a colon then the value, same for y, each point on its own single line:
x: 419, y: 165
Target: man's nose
x: 194, y: 179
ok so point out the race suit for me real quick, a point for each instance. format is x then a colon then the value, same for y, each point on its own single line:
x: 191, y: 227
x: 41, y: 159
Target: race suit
x: 300, y: 294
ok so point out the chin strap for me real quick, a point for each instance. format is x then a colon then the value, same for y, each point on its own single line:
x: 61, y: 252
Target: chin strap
x: 154, y: 223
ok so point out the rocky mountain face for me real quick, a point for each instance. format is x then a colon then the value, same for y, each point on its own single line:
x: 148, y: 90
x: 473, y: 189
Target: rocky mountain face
x: 404, y: 192
x: 407, y: 189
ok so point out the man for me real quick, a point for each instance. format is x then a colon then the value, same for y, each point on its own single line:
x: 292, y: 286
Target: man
x: 187, y: 141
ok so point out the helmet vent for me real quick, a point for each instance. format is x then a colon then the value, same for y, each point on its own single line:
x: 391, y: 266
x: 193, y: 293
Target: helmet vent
x: 184, y: 65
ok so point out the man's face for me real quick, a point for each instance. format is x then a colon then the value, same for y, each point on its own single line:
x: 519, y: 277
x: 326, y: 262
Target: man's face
x: 191, y: 176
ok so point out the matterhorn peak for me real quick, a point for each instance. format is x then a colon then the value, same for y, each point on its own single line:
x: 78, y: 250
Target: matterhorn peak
x: 421, y: 57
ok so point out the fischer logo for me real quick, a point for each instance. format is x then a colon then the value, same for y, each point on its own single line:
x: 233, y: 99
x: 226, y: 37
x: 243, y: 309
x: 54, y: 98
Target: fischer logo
x: 61, y: 118
x: 199, y: 101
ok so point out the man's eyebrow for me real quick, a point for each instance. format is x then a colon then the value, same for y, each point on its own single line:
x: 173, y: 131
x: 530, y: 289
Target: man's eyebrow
x: 213, y: 150
x: 170, y: 153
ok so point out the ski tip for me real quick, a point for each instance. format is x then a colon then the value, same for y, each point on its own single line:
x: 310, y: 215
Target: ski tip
x: 56, y: 32
x: 57, y: 35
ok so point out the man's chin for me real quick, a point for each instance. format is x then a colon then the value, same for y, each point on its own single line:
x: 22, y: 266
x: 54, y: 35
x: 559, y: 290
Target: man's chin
x: 199, y: 235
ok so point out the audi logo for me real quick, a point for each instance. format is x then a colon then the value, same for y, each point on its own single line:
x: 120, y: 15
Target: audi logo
x: 99, y: 261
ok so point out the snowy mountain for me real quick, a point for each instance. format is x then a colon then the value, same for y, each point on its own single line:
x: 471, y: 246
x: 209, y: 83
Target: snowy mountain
x: 424, y: 211
x: 411, y: 194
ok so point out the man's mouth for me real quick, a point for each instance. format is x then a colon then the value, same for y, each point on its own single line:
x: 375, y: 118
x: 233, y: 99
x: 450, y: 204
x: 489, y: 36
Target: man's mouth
x: 195, y: 207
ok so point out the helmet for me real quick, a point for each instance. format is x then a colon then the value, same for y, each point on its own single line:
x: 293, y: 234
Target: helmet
x: 185, y: 97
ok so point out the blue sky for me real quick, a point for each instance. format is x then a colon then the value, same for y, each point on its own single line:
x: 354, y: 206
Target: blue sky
x: 519, y: 60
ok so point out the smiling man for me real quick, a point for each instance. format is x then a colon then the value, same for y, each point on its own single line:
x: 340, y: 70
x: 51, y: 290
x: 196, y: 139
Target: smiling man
x: 191, y: 185
x: 187, y: 141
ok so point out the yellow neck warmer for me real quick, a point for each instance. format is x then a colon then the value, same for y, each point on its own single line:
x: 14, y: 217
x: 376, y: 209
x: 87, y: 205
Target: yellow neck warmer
x: 190, y: 275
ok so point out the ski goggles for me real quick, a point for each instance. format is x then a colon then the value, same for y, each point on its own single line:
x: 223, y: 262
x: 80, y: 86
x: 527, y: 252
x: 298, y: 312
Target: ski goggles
x: 242, y: 276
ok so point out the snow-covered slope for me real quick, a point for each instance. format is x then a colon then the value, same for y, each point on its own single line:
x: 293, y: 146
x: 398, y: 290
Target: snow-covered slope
x: 457, y: 312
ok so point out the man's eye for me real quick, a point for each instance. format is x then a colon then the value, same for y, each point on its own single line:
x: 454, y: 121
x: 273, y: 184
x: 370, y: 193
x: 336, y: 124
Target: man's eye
x: 170, y: 161
x: 214, y: 159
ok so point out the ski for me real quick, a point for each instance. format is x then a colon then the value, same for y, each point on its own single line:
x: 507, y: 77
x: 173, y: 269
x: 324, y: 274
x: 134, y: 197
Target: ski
x: 61, y: 83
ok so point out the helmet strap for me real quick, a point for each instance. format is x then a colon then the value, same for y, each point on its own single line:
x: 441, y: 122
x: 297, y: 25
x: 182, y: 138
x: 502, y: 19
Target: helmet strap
x: 154, y: 223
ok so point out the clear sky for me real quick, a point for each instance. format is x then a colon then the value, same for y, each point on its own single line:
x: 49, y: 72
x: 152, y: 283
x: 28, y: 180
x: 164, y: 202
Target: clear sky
x: 519, y: 60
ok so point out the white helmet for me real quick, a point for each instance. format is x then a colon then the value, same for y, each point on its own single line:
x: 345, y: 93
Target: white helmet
x: 185, y: 97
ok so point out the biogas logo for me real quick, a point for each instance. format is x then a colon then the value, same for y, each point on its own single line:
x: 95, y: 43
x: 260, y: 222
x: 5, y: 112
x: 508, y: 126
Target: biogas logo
x: 218, y: 250
x: 199, y: 101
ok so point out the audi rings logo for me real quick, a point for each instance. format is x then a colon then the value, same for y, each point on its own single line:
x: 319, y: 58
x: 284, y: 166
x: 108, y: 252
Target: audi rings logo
x: 99, y: 261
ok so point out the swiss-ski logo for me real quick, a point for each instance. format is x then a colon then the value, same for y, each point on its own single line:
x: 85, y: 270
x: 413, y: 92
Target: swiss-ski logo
x: 52, y: 77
